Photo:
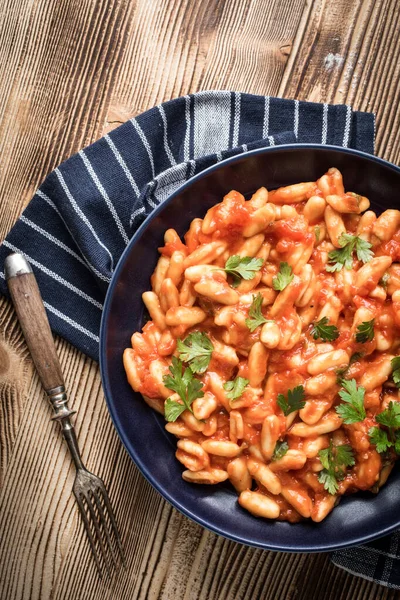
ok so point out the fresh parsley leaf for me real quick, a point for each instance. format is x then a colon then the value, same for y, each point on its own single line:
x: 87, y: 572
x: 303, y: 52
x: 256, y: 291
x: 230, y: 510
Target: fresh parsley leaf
x: 324, y: 456
x: 343, y: 256
x: 196, y: 349
x: 356, y: 357
x: 244, y: 267
x: 363, y: 250
x: 334, y: 459
x: 391, y: 416
x: 353, y: 410
x: 341, y: 372
x: 340, y: 375
x: 344, y: 455
x: 295, y: 400
x: 396, y: 370
x: 327, y: 333
x: 173, y: 409
x: 235, y: 388
x: 183, y: 382
x: 317, y: 231
x: 280, y: 450
x: 329, y: 481
x: 380, y: 439
x: 255, y: 317
x: 384, y: 280
x: 284, y: 277
x: 353, y: 358
x: 365, y: 332
x: 339, y: 259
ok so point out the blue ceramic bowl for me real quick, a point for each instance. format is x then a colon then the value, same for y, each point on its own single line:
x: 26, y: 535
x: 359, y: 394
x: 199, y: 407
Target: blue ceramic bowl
x: 358, y: 518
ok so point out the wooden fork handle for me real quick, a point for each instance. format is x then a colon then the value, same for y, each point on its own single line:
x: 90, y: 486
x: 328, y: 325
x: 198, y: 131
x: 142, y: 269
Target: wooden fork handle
x: 32, y: 316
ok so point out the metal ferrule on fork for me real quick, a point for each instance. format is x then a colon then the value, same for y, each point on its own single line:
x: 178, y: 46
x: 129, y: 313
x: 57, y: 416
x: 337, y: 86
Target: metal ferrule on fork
x: 58, y: 399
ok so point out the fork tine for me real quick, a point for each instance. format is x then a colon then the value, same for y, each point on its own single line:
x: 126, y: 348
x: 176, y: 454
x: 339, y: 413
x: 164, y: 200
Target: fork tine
x: 97, y: 529
x: 105, y: 526
x: 89, y: 533
x: 112, y: 519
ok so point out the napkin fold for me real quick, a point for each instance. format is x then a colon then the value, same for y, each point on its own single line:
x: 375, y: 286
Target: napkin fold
x: 83, y: 215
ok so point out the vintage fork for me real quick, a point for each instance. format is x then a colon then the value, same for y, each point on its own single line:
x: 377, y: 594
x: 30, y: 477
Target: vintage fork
x: 89, y: 490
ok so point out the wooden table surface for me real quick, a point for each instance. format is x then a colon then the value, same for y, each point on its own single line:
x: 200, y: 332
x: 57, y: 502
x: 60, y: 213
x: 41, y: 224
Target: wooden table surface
x: 72, y: 70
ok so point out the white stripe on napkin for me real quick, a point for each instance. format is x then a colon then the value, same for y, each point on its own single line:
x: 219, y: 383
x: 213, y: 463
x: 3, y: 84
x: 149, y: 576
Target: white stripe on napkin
x: 53, y: 239
x: 145, y: 144
x: 71, y: 322
x: 347, y: 126
x: 106, y: 198
x: 325, y: 124
x: 123, y: 164
x: 81, y: 214
x: 186, y: 145
x: 88, y: 263
x: 266, y: 118
x: 211, y: 123
x: 236, y: 121
x: 296, y: 118
x: 166, y: 145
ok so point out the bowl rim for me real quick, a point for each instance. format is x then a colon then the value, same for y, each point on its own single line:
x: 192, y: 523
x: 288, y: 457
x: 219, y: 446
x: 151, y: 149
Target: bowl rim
x: 103, y: 359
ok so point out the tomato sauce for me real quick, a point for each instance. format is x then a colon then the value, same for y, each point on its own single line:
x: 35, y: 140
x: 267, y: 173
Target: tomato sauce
x: 171, y: 247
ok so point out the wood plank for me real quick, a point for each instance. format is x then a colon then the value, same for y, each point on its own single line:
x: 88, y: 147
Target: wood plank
x: 15, y: 373
x: 251, y: 49
x: 71, y: 71
x: 332, y: 62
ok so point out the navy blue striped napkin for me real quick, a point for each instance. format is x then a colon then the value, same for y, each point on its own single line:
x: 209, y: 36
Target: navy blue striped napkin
x: 81, y: 218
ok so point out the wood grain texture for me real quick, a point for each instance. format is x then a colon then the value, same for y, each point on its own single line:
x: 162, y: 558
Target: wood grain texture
x: 357, y: 64
x: 71, y: 70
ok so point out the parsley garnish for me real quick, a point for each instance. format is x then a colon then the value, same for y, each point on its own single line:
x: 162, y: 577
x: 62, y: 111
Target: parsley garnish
x: 389, y: 418
x: 243, y: 267
x: 321, y: 329
x: 341, y: 372
x: 295, y: 400
x: 396, y: 370
x: 196, y: 349
x: 284, y: 277
x: 185, y: 385
x: 343, y: 257
x: 255, y: 317
x: 235, y: 388
x: 334, y: 459
x: 365, y: 332
x: 317, y: 231
x: 353, y: 410
x: 384, y: 280
x: 356, y: 357
x: 280, y: 450
x: 380, y: 439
